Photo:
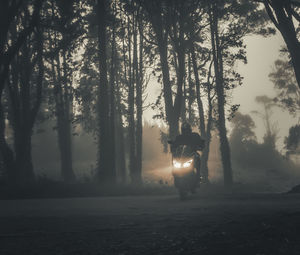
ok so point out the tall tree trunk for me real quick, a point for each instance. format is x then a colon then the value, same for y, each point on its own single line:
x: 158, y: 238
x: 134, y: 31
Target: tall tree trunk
x: 62, y: 113
x: 64, y: 138
x: 218, y: 67
x: 120, y: 150
x: 183, y: 105
x: 104, y: 157
x: 162, y: 41
x: 23, y: 106
x: 205, y: 154
x: 112, y: 103
x: 170, y: 115
x: 131, y: 121
x: 63, y: 108
x: 24, y: 165
x: 66, y: 129
x: 205, y: 132
x: 10, y: 10
x: 139, y: 106
x: 191, y: 87
x: 22, y: 119
x: 180, y: 83
x: 198, y: 94
x: 7, y: 154
x: 121, y: 135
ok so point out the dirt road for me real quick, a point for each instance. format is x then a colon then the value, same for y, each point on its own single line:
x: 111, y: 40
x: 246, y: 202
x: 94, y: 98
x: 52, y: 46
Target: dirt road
x: 204, y: 224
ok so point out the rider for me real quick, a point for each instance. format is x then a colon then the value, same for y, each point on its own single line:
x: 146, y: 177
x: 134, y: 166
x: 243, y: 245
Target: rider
x: 194, y: 140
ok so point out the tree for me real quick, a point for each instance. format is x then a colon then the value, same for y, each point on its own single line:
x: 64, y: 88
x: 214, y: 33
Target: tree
x: 284, y: 14
x: 105, y: 172
x: 139, y: 104
x: 253, y: 159
x: 288, y: 93
x: 8, y: 50
x: 63, y: 39
x: 218, y: 69
x: 132, y: 74
x: 270, y: 136
x: 24, y: 85
x: 242, y: 139
x: 169, y: 21
x: 112, y: 94
x: 292, y: 142
x: 117, y: 82
x: 206, y: 130
x: 230, y: 21
x: 136, y: 81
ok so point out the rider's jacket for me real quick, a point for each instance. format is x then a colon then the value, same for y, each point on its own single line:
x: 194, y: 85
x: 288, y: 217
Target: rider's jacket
x: 192, y: 139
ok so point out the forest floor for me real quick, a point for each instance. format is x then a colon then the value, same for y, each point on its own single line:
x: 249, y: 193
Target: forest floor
x: 248, y: 223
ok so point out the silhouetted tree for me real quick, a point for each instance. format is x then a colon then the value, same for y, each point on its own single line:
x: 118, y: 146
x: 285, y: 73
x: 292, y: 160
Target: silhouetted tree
x: 136, y: 80
x: 287, y: 91
x: 292, y: 142
x: 169, y: 21
x: 105, y: 156
x: 219, y: 74
x: 25, y: 94
x: 140, y: 80
x: 285, y: 15
x: 63, y: 37
x: 12, y: 21
x: 242, y: 139
x: 116, y: 83
x: 270, y: 136
x: 209, y: 89
x: 132, y: 62
x: 253, y: 161
x: 230, y: 21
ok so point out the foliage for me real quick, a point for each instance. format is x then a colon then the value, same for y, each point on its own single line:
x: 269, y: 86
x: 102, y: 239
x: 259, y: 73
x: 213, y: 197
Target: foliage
x: 270, y: 136
x: 285, y: 15
x: 284, y: 80
x: 97, y: 65
x: 252, y: 159
x: 292, y: 142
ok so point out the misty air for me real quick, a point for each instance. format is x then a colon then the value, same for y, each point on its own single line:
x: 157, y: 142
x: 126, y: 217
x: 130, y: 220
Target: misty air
x: 150, y: 127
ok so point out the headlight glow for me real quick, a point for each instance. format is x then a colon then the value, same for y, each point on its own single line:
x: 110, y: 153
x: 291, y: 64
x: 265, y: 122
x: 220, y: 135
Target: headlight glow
x: 188, y: 163
x: 176, y: 164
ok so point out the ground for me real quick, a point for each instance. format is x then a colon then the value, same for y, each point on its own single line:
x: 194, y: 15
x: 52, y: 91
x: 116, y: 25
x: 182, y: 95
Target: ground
x: 203, y: 224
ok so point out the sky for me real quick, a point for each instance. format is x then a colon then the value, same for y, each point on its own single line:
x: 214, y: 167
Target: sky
x: 261, y: 54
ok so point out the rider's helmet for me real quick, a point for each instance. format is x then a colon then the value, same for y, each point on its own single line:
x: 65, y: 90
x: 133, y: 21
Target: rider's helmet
x: 186, y: 128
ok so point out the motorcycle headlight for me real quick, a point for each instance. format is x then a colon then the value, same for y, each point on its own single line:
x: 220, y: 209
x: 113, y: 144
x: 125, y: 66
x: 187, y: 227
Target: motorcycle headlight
x: 176, y: 164
x: 188, y: 163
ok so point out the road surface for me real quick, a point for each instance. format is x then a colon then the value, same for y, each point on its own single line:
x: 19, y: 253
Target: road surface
x: 204, y: 224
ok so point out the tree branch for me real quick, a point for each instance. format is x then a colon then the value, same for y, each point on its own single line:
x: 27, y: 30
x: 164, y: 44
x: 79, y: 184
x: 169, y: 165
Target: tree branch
x: 23, y: 34
x: 295, y: 14
x: 38, y: 101
x: 270, y: 13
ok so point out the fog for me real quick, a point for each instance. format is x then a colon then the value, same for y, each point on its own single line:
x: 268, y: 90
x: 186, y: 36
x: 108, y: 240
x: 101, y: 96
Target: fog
x: 261, y: 168
x: 92, y: 92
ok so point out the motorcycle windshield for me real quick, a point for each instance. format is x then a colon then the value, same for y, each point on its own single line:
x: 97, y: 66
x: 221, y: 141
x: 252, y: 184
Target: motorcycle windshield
x: 183, y: 151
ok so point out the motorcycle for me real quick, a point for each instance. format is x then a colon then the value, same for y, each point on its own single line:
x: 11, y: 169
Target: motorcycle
x: 184, y: 162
